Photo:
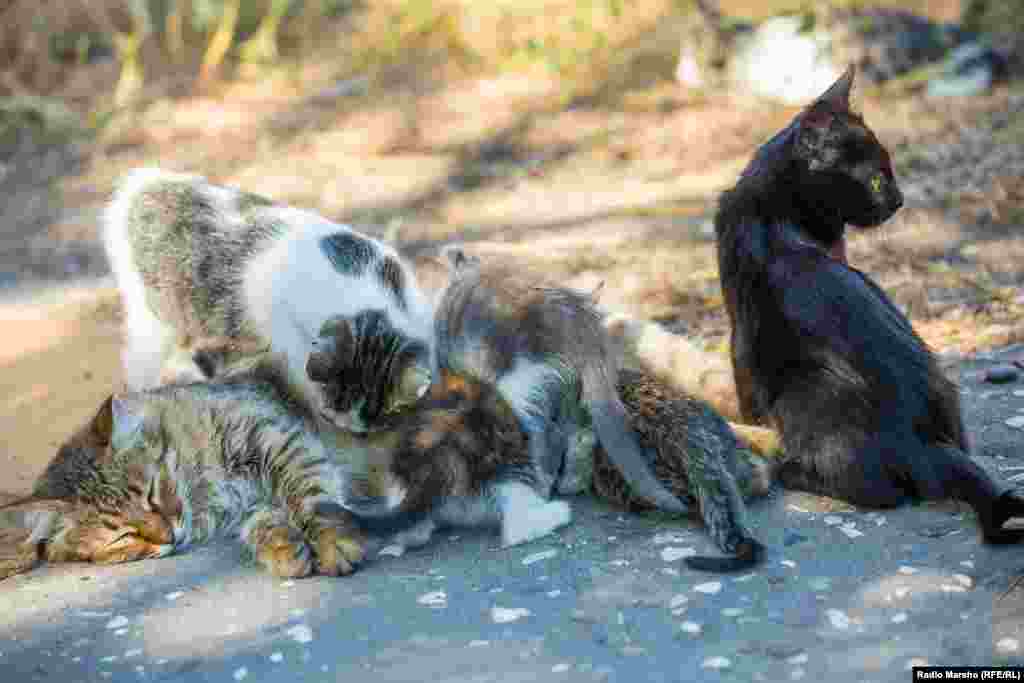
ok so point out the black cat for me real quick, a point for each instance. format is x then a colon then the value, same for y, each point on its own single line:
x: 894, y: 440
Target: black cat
x: 818, y: 350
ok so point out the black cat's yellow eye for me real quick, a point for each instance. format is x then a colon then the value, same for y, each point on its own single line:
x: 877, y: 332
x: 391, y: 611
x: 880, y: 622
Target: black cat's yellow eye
x: 876, y: 183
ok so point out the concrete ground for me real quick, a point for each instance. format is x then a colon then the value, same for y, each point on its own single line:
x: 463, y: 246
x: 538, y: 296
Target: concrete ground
x: 845, y: 595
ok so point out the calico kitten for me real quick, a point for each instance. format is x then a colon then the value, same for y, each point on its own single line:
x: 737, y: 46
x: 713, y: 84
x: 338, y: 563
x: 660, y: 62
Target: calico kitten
x: 210, y: 275
x: 818, y: 350
x: 460, y: 458
x: 547, y: 353
x: 156, y: 471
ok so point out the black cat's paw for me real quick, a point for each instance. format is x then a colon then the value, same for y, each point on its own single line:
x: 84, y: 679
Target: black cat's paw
x: 1009, y: 505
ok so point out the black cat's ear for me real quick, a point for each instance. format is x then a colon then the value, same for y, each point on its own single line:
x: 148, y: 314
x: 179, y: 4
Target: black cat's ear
x: 836, y: 98
x: 333, y: 350
x: 102, y: 424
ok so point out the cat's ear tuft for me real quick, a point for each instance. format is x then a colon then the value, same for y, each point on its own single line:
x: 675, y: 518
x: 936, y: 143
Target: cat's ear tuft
x: 126, y: 419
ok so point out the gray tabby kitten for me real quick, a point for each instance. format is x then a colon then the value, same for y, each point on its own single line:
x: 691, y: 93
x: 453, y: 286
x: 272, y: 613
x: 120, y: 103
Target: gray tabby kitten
x: 210, y: 275
x: 549, y: 356
x: 159, y: 470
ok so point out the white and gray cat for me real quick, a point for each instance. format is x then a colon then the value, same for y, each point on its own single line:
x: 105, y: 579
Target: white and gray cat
x: 210, y: 275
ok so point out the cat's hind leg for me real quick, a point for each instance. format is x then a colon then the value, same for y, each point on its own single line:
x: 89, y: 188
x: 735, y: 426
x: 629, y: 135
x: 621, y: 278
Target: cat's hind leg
x: 526, y: 515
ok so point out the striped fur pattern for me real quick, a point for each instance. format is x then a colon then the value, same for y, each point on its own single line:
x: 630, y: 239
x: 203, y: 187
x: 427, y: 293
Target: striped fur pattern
x: 157, y: 471
x: 546, y: 351
x: 691, y: 449
x: 211, y: 275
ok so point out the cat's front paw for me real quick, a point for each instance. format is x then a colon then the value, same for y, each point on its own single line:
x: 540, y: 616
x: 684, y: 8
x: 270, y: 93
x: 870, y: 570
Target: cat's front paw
x: 339, y: 543
x: 283, y: 552
x: 339, y: 552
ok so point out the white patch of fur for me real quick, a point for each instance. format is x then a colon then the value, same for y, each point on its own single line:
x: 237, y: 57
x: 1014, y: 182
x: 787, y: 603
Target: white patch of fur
x: 526, y: 516
x: 147, y: 340
x: 292, y: 288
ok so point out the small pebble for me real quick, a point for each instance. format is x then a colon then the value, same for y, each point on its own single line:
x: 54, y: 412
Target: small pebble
x: 838, y: 619
x: 560, y: 668
x: 832, y: 520
x: 851, y: 530
x: 967, y: 563
x: 691, y: 627
x: 1007, y: 645
x: 133, y: 653
x: 710, y: 588
x: 675, y: 554
x: 907, y: 571
x: 953, y: 588
x: 433, y: 599
x: 554, y: 593
x: 394, y: 550
x: 505, y: 615
x: 300, y: 633
x: 788, y: 563
x: 964, y: 580
x: 732, y: 611
x: 174, y: 596
x: 1001, y: 374
x: 1017, y: 422
x: 121, y: 632
x: 716, y: 663
x: 800, y: 658
x: 479, y: 643
x: 240, y: 673
x: 117, y: 622
x: 538, y: 557
x: 899, y: 618
x: 797, y: 674
x: 677, y: 601
x: 276, y: 657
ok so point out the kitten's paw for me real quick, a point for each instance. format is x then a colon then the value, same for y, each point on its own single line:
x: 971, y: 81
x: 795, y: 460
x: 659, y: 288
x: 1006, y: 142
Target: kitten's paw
x: 17, y: 558
x: 284, y: 553
x: 535, y: 522
x: 339, y: 551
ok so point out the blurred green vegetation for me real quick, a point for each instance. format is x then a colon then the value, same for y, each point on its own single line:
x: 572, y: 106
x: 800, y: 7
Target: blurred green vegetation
x: 99, y: 57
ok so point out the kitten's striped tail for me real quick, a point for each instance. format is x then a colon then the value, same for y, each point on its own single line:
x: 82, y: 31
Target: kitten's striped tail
x: 749, y: 552
x: 612, y: 427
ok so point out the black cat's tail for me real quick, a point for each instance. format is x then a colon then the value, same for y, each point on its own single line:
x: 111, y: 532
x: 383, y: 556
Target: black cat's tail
x: 749, y: 553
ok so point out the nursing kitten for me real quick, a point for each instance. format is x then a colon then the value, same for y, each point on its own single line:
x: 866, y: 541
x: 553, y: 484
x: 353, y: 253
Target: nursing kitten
x: 210, y: 275
x: 462, y: 458
x: 818, y: 350
x: 547, y: 353
x: 159, y: 470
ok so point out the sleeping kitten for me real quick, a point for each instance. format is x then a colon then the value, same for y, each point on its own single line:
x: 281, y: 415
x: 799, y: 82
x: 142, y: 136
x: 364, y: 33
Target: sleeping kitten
x: 546, y: 352
x: 159, y: 470
x: 210, y: 275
